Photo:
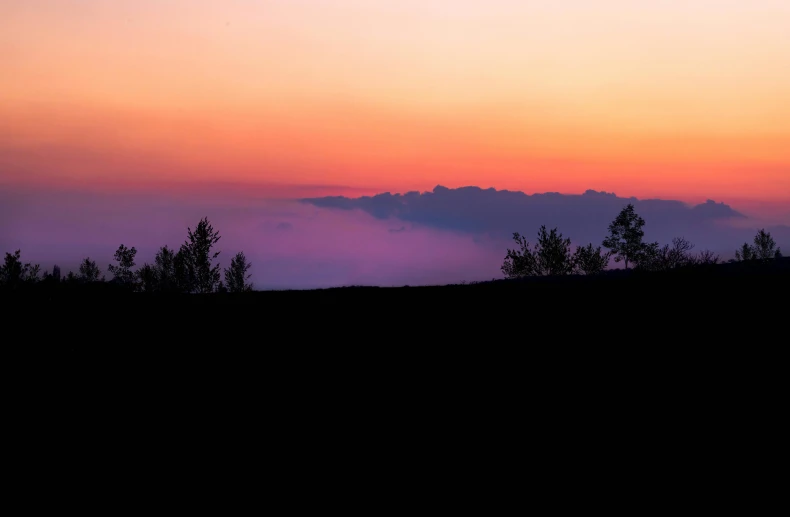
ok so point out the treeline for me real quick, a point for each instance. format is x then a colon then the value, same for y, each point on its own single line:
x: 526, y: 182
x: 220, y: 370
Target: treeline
x: 551, y: 255
x: 190, y: 269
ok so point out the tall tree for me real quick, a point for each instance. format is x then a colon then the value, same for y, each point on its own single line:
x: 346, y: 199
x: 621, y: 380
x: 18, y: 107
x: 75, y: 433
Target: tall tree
x: 236, y: 276
x: 625, y: 236
x: 198, y: 255
x: 765, y: 246
x: 123, y: 272
x: 89, y: 271
x: 165, y: 269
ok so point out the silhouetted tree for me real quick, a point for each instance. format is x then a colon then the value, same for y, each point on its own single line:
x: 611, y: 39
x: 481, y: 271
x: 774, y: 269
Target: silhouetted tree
x: 674, y: 255
x: 184, y: 282
x: 519, y: 262
x: 236, y: 275
x: 590, y: 261
x: 552, y: 253
x: 12, y: 272
x: 625, y: 238
x: 649, y: 257
x: 123, y: 272
x: 71, y: 278
x: 33, y: 270
x: 89, y: 271
x: 56, y: 273
x: 550, y: 256
x: 765, y: 246
x: 203, y: 276
x: 165, y: 270
x: 707, y: 257
x: 148, y: 278
x: 745, y: 253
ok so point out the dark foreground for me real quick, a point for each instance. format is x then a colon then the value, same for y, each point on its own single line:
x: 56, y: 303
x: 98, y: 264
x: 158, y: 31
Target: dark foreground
x: 712, y: 307
x: 651, y: 369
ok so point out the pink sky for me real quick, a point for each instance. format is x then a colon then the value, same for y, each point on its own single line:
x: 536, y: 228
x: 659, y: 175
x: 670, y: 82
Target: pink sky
x: 682, y: 99
x: 678, y: 99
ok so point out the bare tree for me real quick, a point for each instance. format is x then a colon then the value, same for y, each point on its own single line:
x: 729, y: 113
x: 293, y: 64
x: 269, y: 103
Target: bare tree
x: 706, y: 257
x: 675, y: 255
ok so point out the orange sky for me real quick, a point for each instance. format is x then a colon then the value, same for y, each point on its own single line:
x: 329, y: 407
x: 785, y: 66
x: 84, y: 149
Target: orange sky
x: 682, y: 99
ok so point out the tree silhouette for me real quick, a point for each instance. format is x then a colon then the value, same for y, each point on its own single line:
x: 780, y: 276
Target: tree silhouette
x: 706, y: 257
x: 551, y: 256
x: 675, y: 255
x: 148, y: 278
x: 765, y: 246
x: 89, y: 271
x: 552, y: 253
x: 519, y: 262
x: 33, y: 270
x: 625, y: 238
x: 590, y: 261
x: 745, y: 253
x: 164, y: 270
x: 236, y: 275
x: 56, y: 273
x: 13, y: 272
x: 123, y: 271
x: 203, y: 276
x: 184, y: 281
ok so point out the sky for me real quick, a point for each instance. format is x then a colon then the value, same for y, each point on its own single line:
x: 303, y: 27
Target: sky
x: 678, y: 99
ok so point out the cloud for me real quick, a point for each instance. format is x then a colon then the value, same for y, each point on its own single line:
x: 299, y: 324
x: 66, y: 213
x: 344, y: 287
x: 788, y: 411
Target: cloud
x: 584, y: 217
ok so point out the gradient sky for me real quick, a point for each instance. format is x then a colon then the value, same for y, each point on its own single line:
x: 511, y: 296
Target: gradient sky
x: 685, y: 99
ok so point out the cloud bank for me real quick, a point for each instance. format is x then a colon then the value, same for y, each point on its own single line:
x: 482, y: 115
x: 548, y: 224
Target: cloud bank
x: 584, y: 218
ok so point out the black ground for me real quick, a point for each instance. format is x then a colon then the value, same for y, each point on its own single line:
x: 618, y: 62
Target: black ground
x: 659, y: 369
